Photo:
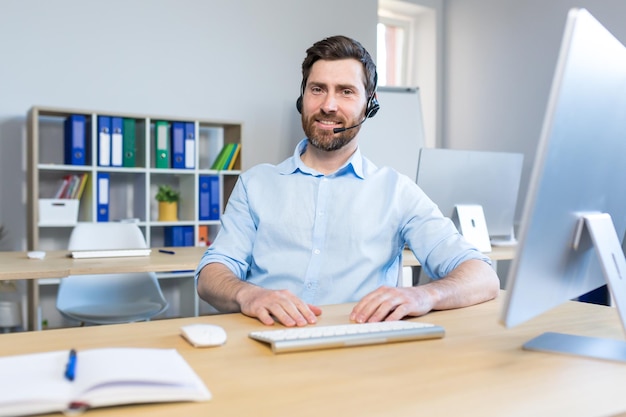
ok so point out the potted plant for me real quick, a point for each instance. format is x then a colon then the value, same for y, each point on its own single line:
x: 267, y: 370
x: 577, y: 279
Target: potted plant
x: 168, y: 203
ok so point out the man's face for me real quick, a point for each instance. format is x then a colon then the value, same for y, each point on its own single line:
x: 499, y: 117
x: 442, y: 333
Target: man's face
x: 334, y: 97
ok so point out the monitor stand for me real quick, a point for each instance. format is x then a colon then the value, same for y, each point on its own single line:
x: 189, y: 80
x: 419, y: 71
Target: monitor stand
x: 509, y: 240
x: 470, y: 221
x: 599, y: 228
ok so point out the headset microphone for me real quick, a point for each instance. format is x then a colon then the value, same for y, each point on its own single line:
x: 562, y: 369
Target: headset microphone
x: 343, y: 129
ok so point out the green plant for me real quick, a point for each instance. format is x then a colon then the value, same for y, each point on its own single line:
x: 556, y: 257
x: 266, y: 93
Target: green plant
x: 168, y: 194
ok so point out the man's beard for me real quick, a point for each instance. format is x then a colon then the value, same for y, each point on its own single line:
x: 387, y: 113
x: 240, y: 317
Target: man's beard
x: 327, y: 140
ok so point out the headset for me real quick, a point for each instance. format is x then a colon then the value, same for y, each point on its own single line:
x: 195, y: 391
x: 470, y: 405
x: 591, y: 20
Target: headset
x: 370, y: 111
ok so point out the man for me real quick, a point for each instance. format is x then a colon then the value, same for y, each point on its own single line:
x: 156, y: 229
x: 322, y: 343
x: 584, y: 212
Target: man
x: 327, y: 226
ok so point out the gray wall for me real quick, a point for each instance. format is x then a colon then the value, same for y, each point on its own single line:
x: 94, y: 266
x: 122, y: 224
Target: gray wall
x: 500, y: 57
x: 235, y: 60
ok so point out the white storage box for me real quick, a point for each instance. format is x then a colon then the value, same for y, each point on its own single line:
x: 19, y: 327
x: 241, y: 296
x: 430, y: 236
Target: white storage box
x: 58, y: 212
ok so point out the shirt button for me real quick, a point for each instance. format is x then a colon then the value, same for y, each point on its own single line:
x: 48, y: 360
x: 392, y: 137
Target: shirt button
x: 316, y: 251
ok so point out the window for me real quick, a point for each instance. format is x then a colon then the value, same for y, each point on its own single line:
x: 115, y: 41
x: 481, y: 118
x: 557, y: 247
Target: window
x: 408, y: 55
x: 392, y: 51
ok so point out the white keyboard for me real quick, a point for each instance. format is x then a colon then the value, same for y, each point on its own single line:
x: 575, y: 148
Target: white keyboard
x: 354, y: 334
x: 108, y: 253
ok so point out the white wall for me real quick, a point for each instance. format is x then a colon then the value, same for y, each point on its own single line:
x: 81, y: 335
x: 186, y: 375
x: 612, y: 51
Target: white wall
x: 235, y: 60
x: 500, y: 57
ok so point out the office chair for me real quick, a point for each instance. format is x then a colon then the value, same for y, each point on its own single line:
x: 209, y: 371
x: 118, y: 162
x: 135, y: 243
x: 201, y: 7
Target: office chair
x: 109, y: 298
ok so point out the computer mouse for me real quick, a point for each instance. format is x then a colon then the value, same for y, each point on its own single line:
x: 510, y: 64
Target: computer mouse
x: 36, y: 254
x: 204, y: 334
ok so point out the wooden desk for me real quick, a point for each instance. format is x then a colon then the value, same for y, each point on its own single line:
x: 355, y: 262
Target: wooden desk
x: 16, y: 265
x: 477, y: 369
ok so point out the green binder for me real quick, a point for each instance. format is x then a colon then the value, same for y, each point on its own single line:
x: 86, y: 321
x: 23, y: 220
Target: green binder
x: 129, y: 143
x: 161, y: 144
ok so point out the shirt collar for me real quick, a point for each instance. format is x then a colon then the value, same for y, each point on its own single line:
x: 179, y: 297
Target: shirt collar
x: 294, y: 164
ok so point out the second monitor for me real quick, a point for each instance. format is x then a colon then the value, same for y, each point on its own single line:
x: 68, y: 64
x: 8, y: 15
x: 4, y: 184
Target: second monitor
x: 452, y: 177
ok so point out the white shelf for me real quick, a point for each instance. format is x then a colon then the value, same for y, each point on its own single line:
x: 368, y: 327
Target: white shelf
x: 132, y: 189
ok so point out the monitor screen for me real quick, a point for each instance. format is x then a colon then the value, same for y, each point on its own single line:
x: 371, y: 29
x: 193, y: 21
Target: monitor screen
x: 580, y: 168
x: 452, y: 177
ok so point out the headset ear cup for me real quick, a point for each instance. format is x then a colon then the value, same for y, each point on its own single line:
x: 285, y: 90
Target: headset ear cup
x: 299, y: 104
x: 372, y: 107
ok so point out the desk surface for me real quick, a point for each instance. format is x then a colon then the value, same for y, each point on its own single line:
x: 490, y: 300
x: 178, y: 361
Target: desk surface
x: 56, y: 264
x: 16, y: 265
x: 477, y: 369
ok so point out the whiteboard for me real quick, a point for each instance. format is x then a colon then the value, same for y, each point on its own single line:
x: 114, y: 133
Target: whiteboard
x: 394, y: 136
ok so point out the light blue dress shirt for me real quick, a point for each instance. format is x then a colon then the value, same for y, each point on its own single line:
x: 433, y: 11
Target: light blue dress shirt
x: 332, y: 238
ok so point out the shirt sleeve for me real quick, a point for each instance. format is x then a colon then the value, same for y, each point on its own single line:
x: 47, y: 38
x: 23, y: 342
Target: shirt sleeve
x: 233, y: 243
x: 433, y: 238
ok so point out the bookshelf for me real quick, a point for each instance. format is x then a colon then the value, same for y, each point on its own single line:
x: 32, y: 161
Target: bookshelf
x: 132, y: 189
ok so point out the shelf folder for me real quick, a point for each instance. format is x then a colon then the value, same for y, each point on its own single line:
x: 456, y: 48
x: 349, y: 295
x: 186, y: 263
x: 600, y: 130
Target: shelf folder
x: 203, y: 236
x: 75, y: 142
x: 104, y: 141
x: 190, y: 145
x: 103, y: 196
x: 209, y: 197
x: 129, y: 143
x: 161, y: 145
x: 178, y: 145
x: 178, y: 236
x: 117, y: 148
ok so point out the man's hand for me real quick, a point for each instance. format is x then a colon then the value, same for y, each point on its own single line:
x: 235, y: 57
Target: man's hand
x: 472, y: 282
x: 391, y: 303
x: 280, y: 305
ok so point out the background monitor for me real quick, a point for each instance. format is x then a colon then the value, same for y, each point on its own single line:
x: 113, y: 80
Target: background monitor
x: 580, y: 168
x: 491, y: 179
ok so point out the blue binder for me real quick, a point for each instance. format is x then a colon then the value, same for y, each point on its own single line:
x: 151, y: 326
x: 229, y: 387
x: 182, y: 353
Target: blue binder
x: 117, y: 145
x: 188, y: 239
x: 178, y: 236
x: 103, y: 185
x: 209, y: 198
x: 173, y: 236
x: 178, y: 145
x: 104, y: 141
x: 190, y: 145
x: 75, y: 143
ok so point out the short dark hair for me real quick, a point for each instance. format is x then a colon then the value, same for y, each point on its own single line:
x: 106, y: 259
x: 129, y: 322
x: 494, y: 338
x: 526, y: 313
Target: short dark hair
x: 340, y: 47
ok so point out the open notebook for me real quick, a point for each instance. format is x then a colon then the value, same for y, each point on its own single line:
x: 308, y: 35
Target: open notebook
x: 36, y: 383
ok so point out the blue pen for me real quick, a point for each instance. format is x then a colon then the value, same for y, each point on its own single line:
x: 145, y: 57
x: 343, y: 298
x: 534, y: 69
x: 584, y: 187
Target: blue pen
x: 70, y: 369
x: 171, y: 252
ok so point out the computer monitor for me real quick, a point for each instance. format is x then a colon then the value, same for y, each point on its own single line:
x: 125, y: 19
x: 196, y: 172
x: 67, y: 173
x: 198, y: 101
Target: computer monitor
x: 575, y: 213
x: 452, y: 177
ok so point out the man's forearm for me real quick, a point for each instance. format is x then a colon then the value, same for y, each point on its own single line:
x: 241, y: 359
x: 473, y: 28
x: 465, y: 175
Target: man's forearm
x: 218, y: 286
x: 471, y: 283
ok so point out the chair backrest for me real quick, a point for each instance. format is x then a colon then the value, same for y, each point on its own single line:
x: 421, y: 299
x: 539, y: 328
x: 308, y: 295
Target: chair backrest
x: 109, y: 298
x: 88, y: 236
